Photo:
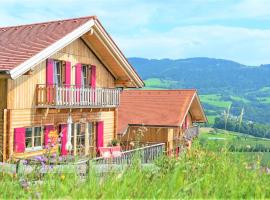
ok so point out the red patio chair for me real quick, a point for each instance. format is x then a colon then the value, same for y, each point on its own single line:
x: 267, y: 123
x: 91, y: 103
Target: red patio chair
x: 116, y: 151
x: 105, y: 152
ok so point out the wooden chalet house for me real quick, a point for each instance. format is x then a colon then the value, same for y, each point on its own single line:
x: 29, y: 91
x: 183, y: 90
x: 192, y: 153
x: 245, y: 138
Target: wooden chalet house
x: 58, y: 73
x: 160, y: 116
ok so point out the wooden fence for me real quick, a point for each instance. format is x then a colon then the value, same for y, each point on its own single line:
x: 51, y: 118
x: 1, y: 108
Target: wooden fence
x: 145, y: 155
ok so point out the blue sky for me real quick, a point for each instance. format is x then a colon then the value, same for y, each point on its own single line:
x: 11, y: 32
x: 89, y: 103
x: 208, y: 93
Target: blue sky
x: 230, y: 29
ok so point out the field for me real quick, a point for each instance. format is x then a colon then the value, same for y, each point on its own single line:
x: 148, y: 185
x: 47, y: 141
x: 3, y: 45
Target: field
x: 215, y: 140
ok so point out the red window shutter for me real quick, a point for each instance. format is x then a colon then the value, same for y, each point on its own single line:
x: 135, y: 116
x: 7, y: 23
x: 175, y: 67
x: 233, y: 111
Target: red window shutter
x: 49, y: 72
x: 78, y: 75
x: 100, y: 134
x: 48, y: 128
x: 93, y: 76
x: 19, y: 140
x: 68, y: 73
x: 63, y: 139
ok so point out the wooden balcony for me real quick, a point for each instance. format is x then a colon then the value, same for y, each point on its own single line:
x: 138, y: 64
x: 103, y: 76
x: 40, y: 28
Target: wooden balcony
x: 72, y: 96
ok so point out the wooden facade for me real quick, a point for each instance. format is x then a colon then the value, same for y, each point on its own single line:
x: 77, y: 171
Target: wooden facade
x: 172, y: 137
x: 18, y: 100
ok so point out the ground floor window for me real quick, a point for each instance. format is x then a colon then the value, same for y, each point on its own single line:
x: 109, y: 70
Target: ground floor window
x: 34, y: 138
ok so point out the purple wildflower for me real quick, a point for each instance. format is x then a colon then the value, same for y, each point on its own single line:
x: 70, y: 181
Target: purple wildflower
x: 24, y: 184
x: 24, y: 162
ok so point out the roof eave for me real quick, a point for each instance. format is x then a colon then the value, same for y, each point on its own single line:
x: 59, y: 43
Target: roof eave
x: 120, y: 56
x: 80, y: 31
x: 52, y: 49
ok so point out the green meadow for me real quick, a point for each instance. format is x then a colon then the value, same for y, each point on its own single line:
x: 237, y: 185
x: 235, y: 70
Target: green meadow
x: 215, y: 140
x: 209, y: 170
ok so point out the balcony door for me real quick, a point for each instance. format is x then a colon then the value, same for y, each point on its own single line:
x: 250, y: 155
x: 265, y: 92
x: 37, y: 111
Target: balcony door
x: 82, y: 139
x: 86, y: 75
x: 59, y: 75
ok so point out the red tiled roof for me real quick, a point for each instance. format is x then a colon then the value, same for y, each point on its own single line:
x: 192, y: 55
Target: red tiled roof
x: 19, y: 43
x: 153, y: 107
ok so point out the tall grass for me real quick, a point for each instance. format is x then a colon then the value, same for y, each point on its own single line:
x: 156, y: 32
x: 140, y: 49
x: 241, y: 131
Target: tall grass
x: 196, y: 174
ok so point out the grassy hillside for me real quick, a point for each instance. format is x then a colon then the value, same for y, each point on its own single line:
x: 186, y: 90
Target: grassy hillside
x: 215, y: 140
x: 219, y: 82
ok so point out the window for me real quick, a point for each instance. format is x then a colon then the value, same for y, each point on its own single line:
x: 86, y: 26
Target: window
x: 59, y: 75
x: 91, y: 135
x: 34, y: 138
x: 86, y: 72
x: 80, y: 135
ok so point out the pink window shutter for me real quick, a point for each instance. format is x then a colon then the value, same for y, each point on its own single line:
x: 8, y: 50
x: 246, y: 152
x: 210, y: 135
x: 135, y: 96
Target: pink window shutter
x: 93, y: 76
x: 48, y: 128
x: 78, y: 75
x: 68, y: 73
x: 68, y: 80
x: 63, y: 139
x: 49, y: 80
x: 19, y: 140
x: 100, y: 134
x: 49, y: 72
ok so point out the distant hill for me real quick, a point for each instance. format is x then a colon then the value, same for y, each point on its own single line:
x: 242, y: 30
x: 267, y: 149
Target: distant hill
x: 205, y: 74
x: 220, y: 83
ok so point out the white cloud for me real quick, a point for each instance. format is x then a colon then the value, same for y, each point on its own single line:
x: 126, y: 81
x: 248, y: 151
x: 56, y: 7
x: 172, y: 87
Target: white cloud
x: 248, y: 46
x: 159, y: 29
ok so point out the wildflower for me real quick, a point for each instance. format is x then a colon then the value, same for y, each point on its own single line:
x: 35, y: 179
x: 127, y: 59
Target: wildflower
x: 62, y: 177
x: 24, y: 184
x: 24, y: 162
x: 54, y: 155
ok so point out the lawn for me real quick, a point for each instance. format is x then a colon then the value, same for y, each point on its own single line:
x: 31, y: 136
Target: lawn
x: 158, y: 83
x: 215, y: 100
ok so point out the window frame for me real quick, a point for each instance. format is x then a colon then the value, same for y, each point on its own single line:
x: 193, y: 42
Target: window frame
x: 86, y: 75
x: 59, y: 78
x: 33, y: 137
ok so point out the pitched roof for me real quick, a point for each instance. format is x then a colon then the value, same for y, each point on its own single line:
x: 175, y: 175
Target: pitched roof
x: 23, y: 47
x: 156, y: 108
x: 19, y: 43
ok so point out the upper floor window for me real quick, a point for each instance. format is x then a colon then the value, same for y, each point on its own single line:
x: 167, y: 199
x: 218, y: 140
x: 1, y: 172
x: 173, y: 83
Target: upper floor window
x: 59, y: 75
x: 86, y: 75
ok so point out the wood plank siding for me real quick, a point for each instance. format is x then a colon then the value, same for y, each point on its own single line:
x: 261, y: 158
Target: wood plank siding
x: 3, y: 104
x: 22, y: 91
x: 19, y: 98
x: 32, y: 117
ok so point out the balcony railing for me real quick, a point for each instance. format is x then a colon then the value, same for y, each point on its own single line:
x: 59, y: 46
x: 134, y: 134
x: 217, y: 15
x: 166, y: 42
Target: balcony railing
x: 76, y: 96
x: 191, y: 132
